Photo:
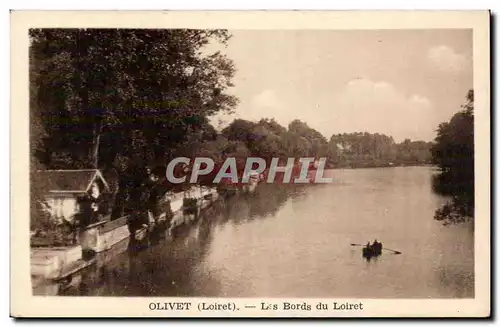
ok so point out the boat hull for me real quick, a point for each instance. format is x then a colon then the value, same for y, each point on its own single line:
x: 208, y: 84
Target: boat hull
x: 370, y: 252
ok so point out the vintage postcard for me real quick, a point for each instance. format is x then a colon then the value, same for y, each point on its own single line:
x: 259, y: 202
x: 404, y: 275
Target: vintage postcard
x: 250, y: 164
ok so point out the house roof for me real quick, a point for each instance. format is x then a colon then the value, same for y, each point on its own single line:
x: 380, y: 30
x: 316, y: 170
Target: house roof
x: 70, y: 181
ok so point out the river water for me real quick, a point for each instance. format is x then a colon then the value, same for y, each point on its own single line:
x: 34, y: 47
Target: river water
x: 295, y: 241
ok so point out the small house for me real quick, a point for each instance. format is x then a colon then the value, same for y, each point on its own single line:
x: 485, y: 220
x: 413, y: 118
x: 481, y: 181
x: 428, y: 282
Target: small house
x: 64, y: 191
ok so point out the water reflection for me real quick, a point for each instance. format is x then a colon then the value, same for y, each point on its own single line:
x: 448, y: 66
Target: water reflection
x: 165, y: 265
x: 295, y: 241
x: 457, y: 279
x: 460, y: 190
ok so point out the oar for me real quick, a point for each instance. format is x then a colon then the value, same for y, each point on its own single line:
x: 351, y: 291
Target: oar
x: 394, y: 251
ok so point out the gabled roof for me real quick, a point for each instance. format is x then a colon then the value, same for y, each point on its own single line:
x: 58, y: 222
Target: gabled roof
x: 70, y: 181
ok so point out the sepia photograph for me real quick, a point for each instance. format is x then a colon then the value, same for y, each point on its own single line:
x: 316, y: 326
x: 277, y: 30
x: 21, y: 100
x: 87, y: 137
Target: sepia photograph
x: 229, y: 163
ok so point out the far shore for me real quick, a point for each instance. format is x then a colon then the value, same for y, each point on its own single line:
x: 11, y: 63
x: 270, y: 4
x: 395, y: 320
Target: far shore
x: 378, y: 167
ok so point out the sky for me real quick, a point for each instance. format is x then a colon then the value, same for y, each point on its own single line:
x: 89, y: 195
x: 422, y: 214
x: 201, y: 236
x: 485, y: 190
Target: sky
x: 401, y: 83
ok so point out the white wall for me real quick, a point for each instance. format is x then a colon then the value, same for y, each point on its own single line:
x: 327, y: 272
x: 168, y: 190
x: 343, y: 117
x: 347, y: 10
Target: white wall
x: 62, y: 208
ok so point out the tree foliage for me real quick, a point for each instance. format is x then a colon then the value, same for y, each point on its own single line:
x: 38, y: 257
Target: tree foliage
x: 357, y: 150
x: 453, y: 153
x: 137, y: 93
x: 122, y: 99
x: 268, y: 139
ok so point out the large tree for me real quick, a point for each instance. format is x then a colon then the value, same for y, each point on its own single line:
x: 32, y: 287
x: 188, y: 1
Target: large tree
x: 123, y: 98
x: 136, y: 93
x: 318, y: 143
x: 453, y: 153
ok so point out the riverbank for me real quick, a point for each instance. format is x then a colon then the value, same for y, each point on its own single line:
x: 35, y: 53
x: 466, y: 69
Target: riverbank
x: 57, y: 265
x: 187, y: 227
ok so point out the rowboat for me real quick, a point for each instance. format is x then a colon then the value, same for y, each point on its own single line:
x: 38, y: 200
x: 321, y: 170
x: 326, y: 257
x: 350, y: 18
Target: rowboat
x: 373, y: 250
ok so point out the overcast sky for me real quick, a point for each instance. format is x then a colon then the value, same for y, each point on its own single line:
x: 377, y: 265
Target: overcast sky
x: 401, y: 83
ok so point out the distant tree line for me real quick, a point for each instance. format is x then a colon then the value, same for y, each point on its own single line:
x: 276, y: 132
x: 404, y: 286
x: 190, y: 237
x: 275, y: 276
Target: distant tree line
x: 267, y: 139
x: 376, y: 150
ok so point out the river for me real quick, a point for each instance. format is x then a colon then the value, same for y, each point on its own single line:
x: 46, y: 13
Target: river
x: 295, y: 241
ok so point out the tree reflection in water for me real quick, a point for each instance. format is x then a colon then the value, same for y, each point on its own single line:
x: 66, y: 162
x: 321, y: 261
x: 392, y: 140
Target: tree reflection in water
x: 161, y: 265
x: 460, y: 208
x: 458, y: 279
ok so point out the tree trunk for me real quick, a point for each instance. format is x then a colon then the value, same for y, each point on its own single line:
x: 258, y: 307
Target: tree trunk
x: 95, y: 145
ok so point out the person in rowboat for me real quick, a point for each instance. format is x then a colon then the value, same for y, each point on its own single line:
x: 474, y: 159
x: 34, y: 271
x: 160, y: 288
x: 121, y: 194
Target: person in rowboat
x: 368, y: 251
x: 377, y: 247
